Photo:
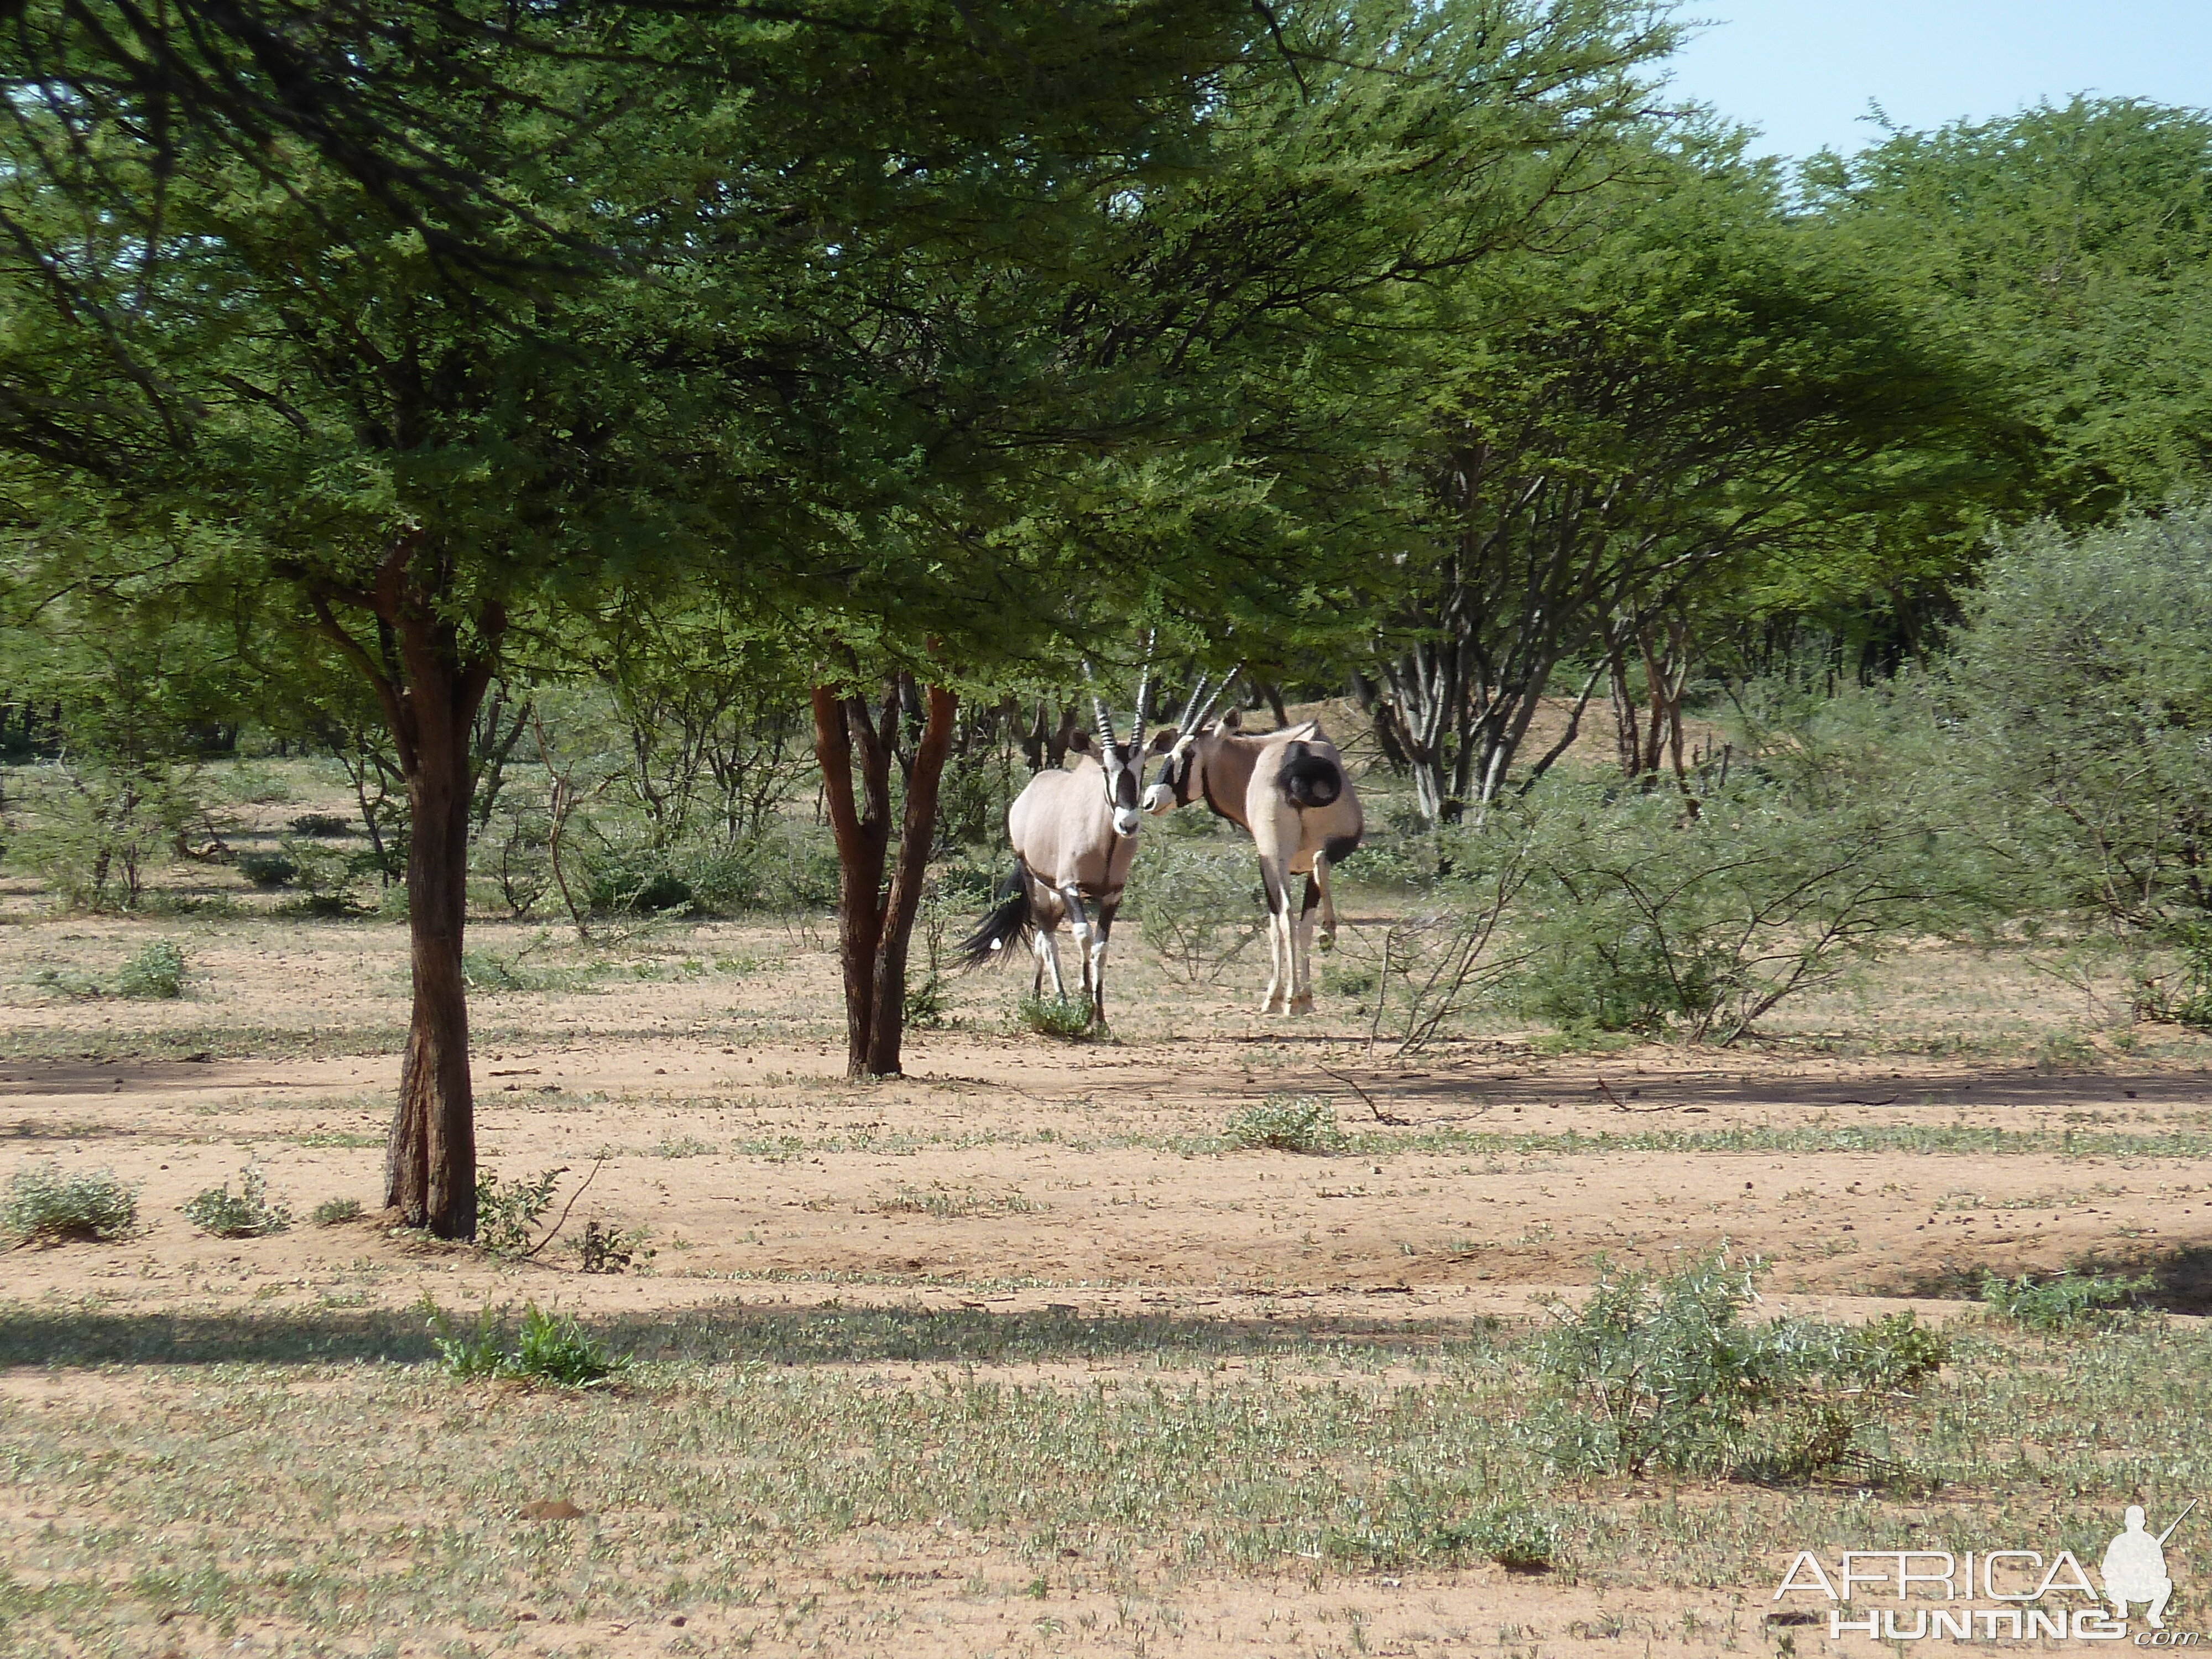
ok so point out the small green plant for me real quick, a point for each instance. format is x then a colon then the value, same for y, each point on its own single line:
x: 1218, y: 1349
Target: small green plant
x: 508, y: 1212
x: 155, y: 973
x: 1663, y: 1369
x: 1070, y: 1022
x: 321, y: 826
x: 1288, y: 1123
x: 2067, y: 1303
x: 247, y: 1213
x: 610, y: 1250
x: 547, y: 1348
x: 43, y: 1205
x: 268, y: 870
x: 486, y: 970
x: 336, y: 1211
x: 2191, y: 1005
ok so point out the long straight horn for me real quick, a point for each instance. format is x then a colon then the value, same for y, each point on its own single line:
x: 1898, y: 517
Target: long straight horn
x: 1190, y: 707
x: 1105, y: 719
x: 1205, y: 713
x: 1144, y: 690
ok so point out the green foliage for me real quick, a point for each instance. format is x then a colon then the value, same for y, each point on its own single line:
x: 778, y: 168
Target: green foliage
x: 156, y: 973
x: 2078, y: 701
x: 2069, y: 248
x: 321, y: 826
x: 43, y: 1206
x: 508, y: 1211
x: 1288, y: 1123
x: 604, y: 1250
x: 2189, y: 1001
x: 1651, y: 913
x: 336, y: 1211
x: 96, y: 830
x: 1663, y: 1370
x: 2067, y: 1303
x: 247, y: 1213
x: 1051, y: 1016
x: 1197, y: 903
x: 546, y: 1348
x: 491, y: 970
x: 268, y: 870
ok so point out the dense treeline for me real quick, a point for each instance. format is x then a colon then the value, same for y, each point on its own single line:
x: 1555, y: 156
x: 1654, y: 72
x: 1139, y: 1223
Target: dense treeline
x: 599, y: 426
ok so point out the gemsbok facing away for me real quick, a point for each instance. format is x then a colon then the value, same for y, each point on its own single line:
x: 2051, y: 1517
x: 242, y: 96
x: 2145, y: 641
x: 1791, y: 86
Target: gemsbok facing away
x: 1074, y: 833
x: 1290, y: 791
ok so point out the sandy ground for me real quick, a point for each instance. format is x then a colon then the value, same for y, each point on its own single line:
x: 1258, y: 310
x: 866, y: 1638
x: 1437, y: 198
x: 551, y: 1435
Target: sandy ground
x: 696, y: 1075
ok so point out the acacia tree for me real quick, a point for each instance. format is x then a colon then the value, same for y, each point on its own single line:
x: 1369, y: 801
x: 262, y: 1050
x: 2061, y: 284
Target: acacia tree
x: 1697, y: 391
x: 2067, y: 249
x: 633, y: 348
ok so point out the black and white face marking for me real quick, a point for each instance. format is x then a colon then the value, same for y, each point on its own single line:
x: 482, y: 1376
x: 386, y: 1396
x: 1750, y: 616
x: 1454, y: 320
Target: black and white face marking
x: 1179, y: 783
x: 1123, y: 770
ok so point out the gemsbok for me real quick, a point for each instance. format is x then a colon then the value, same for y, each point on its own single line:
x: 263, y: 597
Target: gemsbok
x: 1288, y: 789
x: 1074, y: 833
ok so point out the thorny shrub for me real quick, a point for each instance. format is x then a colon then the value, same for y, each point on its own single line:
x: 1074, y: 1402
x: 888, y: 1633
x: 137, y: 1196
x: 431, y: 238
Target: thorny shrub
x: 508, y: 1212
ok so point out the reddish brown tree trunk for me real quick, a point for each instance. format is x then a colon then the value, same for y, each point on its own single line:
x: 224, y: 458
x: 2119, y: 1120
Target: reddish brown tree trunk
x: 430, y: 1160
x: 874, y: 925
x: 430, y: 682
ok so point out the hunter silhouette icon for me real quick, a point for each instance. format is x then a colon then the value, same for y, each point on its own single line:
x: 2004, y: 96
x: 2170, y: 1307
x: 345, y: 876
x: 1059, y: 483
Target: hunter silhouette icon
x: 2133, y: 1568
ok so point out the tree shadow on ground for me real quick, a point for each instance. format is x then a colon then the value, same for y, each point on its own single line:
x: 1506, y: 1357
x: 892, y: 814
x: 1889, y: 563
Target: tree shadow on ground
x: 2181, y: 1280
x: 39, y: 1336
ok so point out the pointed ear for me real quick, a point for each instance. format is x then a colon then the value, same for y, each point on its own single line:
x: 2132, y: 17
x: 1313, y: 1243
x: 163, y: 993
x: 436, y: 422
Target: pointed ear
x: 1079, y: 742
x: 1163, y: 740
x: 1231, y: 721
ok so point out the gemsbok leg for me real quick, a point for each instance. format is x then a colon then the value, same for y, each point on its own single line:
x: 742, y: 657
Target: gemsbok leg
x: 1278, y: 1000
x: 1106, y: 910
x: 1087, y: 950
x: 1302, y: 948
x: 1327, y: 902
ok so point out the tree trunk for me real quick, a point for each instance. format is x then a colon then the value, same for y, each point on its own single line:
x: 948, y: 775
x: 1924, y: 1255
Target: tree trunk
x: 430, y: 1159
x: 430, y: 682
x: 887, y: 1023
x: 873, y: 927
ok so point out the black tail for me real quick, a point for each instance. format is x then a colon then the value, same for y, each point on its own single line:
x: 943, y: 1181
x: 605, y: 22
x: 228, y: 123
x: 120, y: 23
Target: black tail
x: 1009, y: 925
x: 1309, y: 780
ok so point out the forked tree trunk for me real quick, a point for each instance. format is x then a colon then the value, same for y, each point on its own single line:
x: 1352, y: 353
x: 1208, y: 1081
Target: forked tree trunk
x: 874, y: 925
x: 430, y: 682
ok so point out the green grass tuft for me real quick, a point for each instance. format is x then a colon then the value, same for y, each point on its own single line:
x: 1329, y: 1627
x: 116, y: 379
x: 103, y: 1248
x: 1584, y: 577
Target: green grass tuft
x: 336, y: 1211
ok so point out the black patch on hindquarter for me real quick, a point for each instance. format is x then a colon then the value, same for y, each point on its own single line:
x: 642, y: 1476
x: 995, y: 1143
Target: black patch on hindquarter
x: 1337, y: 849
x: 1308, y: 779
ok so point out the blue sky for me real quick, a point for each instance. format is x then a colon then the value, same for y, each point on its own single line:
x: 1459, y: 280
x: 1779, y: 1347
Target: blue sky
x: 1802, y: 70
